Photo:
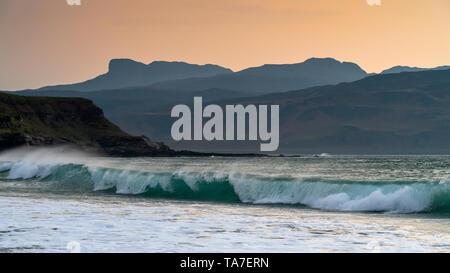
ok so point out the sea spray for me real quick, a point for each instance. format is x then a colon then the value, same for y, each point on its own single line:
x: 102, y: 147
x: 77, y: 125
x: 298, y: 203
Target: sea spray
x: 333, y: 195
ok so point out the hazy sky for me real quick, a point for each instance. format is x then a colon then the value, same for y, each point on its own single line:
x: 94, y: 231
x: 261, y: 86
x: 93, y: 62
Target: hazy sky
x: 48, y: 42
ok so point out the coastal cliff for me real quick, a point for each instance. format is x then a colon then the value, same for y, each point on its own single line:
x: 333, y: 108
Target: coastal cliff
x: 43, y: 121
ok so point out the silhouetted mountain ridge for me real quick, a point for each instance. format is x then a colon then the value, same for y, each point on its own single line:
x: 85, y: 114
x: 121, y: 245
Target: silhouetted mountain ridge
x: 400, y: 69
x: 128, y: 73
x: 268, y: 78
x: 275, y: 77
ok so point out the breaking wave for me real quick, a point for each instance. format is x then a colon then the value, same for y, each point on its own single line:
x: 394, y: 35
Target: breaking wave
x: 391, y: 197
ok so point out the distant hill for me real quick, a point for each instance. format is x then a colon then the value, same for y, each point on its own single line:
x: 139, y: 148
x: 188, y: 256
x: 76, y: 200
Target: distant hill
x: 128, y: 73
x: 141, y: 110
x: 41, y: 121
x: 274, y: 78
x: 399, y: 69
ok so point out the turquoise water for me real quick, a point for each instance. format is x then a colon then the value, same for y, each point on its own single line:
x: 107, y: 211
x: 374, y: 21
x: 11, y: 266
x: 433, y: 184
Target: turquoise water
x: 54, y: 197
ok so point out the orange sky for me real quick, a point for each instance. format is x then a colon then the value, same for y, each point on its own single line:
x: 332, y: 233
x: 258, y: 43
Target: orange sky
x: 47, y: 41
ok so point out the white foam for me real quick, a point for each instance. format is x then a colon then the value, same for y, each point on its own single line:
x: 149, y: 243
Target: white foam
x: 404, y: 200
x: 27, y: 170
x: 192, y: 180
x: 392, y: 198
x: 6, y: 166
x: 126, y: 181
x: 267, y: 188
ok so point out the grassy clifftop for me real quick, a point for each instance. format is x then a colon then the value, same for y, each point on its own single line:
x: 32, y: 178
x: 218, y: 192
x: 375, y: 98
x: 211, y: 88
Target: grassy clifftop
x: 46, y: 121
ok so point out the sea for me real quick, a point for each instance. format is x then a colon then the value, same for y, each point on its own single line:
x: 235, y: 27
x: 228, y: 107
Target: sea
x: 62, y: 200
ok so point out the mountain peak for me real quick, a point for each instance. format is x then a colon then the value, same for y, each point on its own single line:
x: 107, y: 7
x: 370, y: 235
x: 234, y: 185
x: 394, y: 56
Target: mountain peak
x: 124, y: 65
x: 321, y: 60
x: 167, y: 63
x: 178, y: 64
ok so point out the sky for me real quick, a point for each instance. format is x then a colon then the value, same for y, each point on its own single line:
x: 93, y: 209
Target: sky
x: 49, y: 42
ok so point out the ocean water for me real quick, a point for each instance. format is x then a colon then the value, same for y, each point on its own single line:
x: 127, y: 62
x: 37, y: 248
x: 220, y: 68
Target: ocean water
x: 61, y: 200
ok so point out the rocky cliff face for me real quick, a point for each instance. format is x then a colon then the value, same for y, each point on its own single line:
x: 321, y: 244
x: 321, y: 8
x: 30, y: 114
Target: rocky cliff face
x: 130, y: 146
x: 40, y: 121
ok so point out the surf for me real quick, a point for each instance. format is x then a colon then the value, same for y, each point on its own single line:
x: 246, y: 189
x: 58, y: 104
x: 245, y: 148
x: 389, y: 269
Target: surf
x: 236, y: 187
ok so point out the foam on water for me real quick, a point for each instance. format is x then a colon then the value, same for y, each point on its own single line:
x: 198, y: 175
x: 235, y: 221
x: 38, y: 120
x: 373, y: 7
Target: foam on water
x: 114, y: 224
x: 333, y: 195
x: 73, y: 197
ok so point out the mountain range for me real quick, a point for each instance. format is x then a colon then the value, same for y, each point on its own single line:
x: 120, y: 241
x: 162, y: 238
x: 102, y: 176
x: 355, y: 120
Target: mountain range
x: 123, y: 73
x: 268, y: 78
x: 274, y: 78
x: 345, y: 110
x: 400, y: 69
x: 382, y: 114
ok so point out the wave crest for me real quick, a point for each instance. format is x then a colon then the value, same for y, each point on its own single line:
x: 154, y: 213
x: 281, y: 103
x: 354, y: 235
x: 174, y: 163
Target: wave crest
x: 392, y: 197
